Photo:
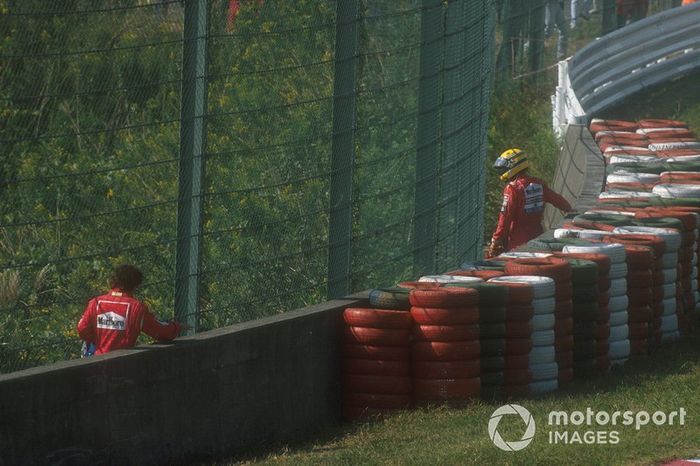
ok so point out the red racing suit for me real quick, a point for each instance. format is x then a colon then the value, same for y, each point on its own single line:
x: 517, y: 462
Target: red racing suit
x: 521, y: 214
x: 115, y: 320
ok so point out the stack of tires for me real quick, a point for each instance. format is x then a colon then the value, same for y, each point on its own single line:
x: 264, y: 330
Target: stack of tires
x: 537, y: 353
x: 586, y: 330
x: 502, y: 373
x: 446, y: 350
x: 619, y: 345
x: 558, y: 270
x: 640, y: 290
x: 668, y: 278
x: 376, y: 363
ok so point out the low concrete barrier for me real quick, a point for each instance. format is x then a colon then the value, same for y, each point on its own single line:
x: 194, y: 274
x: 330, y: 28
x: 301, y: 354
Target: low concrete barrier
x: 216, y: 393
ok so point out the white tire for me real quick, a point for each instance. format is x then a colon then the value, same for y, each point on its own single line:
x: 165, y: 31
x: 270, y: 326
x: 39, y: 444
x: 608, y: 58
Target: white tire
x: 619, y: 332
x: 670, y: 191
x: 618, y: 303
x: 544, y: 305
x: 599, y: 210
x: 616, y: 252
x: 653, y: 130
x: 542, y: 287
x: 669, y: 323
x: 543, y: 338
x: 630, y: 177
x: 670, y: 260
x: 694, y: 263
x: 618, y: 362
x: 544, y: 386
x: 669, y: 290
x: 619, y: 349
x: 624, y: 148
x: 544, y: 371
x: 449, y: 279
x: 543, y: 322
x: 542, y: 355
x: 524, y: 254
x: 673, y: 145
x: 670, y: 236
x: 669, y: 306
x: 613, y: 193
x: 618, y: 287
x: 560, y: 233
x: 694, y: 285
x: 670, y: 275
x: 683, y: 159
x: 618, y: 318
x: 618, y: 270
x: 670, y: 336
x: 594, y: 235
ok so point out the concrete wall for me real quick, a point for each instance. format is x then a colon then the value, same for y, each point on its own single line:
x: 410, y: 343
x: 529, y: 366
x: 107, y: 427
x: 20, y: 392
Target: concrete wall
x: 215, y: 393
x: 579, y: 175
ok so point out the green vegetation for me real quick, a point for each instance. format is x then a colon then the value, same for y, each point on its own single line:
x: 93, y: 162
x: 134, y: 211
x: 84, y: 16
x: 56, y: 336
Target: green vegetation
x: 666, y: 381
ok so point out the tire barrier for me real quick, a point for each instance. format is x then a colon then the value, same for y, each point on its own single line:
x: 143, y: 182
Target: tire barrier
x: 541, y: 363
x: 376, y: 365
x: 446, y: 330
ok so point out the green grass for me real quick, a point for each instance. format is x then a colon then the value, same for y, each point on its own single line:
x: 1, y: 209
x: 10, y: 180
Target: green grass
x: 666, y: 380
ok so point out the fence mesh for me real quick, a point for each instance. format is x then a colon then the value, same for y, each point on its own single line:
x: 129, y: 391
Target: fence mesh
x: 342, y: 148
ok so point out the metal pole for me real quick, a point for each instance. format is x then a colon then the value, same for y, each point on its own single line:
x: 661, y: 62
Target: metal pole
x: 428, y: 137
x: 191, y: 168
x: 343, y: 148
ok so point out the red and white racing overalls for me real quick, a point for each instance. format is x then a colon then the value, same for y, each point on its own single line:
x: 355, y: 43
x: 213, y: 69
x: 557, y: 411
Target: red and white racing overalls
x: 521, y: 214
x: 115, y: 320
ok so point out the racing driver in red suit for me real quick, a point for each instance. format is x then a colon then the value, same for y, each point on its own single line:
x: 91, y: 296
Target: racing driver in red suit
x: 524, y: 198
x: 114, y: 320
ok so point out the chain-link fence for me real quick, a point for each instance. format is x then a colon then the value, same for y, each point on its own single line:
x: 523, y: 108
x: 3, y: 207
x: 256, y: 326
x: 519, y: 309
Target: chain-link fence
x: 250, y: 156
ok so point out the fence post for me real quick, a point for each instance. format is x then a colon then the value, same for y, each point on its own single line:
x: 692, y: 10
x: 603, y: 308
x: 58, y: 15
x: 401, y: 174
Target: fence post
x: 428, y: 137
x: 191, y: 167
x: 343, y: 148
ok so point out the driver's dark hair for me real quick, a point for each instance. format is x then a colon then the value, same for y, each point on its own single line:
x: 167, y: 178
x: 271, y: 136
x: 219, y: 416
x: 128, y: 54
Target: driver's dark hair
x: 126, y: 277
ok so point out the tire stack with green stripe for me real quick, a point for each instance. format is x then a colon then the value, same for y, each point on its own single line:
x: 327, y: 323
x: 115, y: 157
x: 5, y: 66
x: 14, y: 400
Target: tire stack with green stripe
x: 584, y: 277
x: 495, y: 331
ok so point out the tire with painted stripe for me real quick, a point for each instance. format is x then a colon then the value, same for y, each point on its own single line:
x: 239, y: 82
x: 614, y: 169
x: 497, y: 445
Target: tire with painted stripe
x: 619, y: 349
x: 542, y: 355
x: 542, y: 287
x: 543, y: 322
x: 544, y: 371
x: 618, y: 318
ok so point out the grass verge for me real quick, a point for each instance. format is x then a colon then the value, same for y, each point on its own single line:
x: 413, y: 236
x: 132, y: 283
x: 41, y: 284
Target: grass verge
x: 664, y: 381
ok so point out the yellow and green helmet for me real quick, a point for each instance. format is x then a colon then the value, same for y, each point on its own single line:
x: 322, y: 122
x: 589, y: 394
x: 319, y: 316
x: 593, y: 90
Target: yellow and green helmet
x: 510, y: 163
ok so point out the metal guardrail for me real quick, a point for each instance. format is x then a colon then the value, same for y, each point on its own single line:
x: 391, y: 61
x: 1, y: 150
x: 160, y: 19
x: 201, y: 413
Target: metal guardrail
x: 638, y: 56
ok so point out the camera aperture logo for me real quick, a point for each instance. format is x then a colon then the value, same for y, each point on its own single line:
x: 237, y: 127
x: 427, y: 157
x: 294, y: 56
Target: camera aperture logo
x: 587, y: 427
x: 529, y: 427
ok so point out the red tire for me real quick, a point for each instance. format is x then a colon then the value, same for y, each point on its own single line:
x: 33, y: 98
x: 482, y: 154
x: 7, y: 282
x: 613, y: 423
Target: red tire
x: 446, y: 389
x: 639, y: 256
x: 613, y: 125
x: 557, y: 269
x: 517, y: 376
x: 441, y: 316
x: 376, y: 367
x: 639, y: 314
x: 377, y: 336
x: 566, y: 376
x: 519, y: 293
x: 445, y: 332
x: 383, y: 353
x: 517, y: 346
x: 640, y: 296
x: 455, y: 297
x: 564, y: 344
x: 564, y: 292
x: 379, y: 384
x: 377, y: 318
x: 680, y: 177
x: 516, y: 361
x: 516, y: 330
x: 564, y: 309
x: 603, y: 315
x: 445, y: 351
x: 376, y: 401
x: 483, y: 274
x: 603, y: 362
x: 659, y: 123
x: 446, y: 369
x: 602, y: 260
x: 652, y: 241
x: 602, y: 332
x: 688, y: 219
x: 603, y: 298
x: 603, y: 283
x: 602, y: 347
x: 565, y: 359
x: 673, y: 134
x: 420, y: 285
x: 638, y: 330
x: 638, y: 347
x: 519, y: 312
x: 564, y: 326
